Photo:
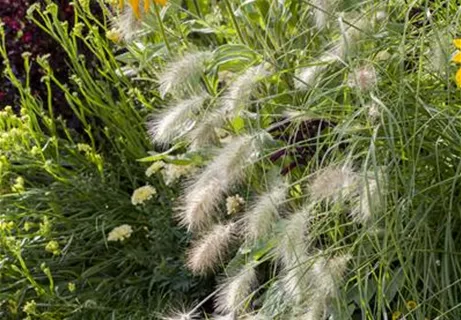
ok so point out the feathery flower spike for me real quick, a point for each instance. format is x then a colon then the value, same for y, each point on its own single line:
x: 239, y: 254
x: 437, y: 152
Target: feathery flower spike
x: 236, y: 290
x: 209, y: 251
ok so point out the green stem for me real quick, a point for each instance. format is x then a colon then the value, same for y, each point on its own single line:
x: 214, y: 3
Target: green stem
x: 234, y: 21
x: 162, y: 30
x: 197, y: 8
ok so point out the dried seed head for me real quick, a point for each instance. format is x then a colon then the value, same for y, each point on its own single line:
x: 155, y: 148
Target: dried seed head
x: 177, y: 120
x: 183, y: 75
x: 322, y: 10
x: 235, y: 291
x: 178, y: 315
x: 126, y: 25
x: 208, y: 252
x: 227, y: 169
x: 295, y: 240
x: 334, y: 182
x: 261, y: 218
x: 369, y: 199
x: 363, y: 78
x: 239, y: 92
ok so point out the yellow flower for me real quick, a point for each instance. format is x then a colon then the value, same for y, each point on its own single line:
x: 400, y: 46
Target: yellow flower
x: 411, y: 305
x: 120, y: 233
x: 30, y: 307
x: 396, y: 315
x: 457, y: 59
x: 457, y: 43
x: 53, y: 247
x: 458, y: 78
x: 28, y: 226
x: 457, y: 56
x: 71, y: 287
x: 143, y: 194
x: 4, y: 225
x: 135, y: 5
x: 113, y: 35
x: 18, y: 185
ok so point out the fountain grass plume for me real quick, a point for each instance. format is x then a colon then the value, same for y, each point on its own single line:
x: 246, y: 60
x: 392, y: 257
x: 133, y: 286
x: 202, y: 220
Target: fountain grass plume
x: 211, y: 250
x: 176, y: 120
x: 235, y: 291
x: 183, y: 75
x: 227, y: 169
x: 264, y: 213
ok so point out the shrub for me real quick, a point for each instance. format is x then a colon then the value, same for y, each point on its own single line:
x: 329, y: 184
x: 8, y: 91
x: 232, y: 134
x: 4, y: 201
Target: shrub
x: 336, y: 125
x: 74, y: 242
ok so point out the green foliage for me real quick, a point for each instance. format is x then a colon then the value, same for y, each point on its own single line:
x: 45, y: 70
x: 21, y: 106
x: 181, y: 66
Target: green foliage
x: 377, y: 73
x: 62, y: 191
x: 405, y: 123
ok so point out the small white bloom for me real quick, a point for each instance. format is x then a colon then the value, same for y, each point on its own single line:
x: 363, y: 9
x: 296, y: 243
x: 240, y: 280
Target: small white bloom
x: 234, y: 204
x: 373, y: 111
x: 154, y: 168
x: 173, y: 172
x: 143, y: 194
x: 120, y: 233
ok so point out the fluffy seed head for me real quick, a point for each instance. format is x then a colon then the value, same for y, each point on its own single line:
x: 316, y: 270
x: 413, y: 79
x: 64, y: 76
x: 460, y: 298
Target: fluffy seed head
x: 178, y: 119
x: 235, y: 291
x: 314, y: 281
x: 295, y: 280
x: 211, y: 250
x: 355, y: 31
x: 225, y: 171
x: 178, y: 315
x: 322, y: 10
x: 204, y: 133
x: 373, y: 112
x: 294, y: 241
x: 126, y: 25
x: 363, y: 78
x: 327, y: 275
x: 369, y: 199
x: 183, y: 74
x: 309, y: 76
x: 315, y: 312
x: 239, y: 92
x: 229, y: 316
x: 334, y: 182
x: 265, y: 211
